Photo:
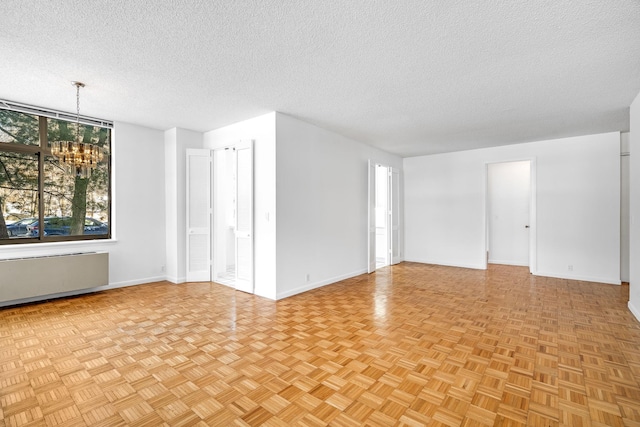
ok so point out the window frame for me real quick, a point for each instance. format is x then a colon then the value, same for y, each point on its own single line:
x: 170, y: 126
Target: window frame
x: 42, y: 150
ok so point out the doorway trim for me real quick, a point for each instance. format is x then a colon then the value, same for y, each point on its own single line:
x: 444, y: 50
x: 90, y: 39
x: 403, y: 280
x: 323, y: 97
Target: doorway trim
x: 533, y: 223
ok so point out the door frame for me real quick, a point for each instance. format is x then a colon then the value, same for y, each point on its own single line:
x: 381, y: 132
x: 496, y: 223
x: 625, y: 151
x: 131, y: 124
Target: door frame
x: 371, y: 220
x: 533, y: 225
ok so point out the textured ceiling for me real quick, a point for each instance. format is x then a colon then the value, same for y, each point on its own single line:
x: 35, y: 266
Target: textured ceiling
x: 411, y: 77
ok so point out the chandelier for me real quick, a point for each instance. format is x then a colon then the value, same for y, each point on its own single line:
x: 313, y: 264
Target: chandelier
x: 76, y: 156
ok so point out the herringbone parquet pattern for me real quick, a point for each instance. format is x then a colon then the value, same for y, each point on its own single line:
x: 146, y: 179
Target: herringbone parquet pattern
x: 410, y: 345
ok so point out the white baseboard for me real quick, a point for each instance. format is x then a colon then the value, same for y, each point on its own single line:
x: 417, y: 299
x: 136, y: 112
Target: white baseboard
x: 175, y: 280
x: 446, y: 263
x: 634, y: 310
x: 126, y: 283
x: 319, y: 284
x: 605, y: 280
x: 503, y: 262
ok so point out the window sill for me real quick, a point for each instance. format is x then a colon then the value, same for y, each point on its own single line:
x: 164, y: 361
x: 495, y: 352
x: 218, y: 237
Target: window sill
x: 52, y: 248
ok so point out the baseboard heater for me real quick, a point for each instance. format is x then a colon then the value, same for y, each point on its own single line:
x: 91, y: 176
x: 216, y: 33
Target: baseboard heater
x: 22, y: 278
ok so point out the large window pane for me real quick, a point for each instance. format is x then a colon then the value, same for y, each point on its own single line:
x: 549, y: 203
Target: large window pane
x: 19, y: 128
x: 75, y: 205
x: 18, y: 193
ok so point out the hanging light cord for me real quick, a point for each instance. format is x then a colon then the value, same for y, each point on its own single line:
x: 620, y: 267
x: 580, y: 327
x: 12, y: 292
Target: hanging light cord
x: 78, y: 85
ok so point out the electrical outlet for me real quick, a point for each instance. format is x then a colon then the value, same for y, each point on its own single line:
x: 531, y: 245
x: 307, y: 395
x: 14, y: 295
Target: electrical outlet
x: 308, y: 278
x: 570, y: 267
x: 163, y: 268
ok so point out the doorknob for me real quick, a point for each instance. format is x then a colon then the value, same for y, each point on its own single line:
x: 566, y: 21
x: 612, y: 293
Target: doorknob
x: 526, y: 226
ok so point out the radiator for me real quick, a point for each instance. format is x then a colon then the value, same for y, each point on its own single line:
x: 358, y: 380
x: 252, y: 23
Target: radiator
x: 39, y: 276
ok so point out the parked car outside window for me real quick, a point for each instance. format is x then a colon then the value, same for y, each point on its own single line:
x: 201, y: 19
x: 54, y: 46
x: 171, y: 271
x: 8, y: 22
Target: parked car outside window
x: 61, y: 226
x: 19, y: 228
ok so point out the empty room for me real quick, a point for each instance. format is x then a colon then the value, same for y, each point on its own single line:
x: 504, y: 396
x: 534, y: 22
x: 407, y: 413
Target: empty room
x: 320, y: 213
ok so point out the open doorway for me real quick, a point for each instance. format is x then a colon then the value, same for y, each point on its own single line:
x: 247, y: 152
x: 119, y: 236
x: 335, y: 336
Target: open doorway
x: 224, y: 217
x: 384, y: 216
x: 509, y: 213
x: 232, y: 237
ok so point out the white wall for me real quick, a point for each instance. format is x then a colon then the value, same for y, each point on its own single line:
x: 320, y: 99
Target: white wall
x: 137, y: 250
x: 176, y: 142
x: 444, y: 209
x: 578, y: 206
x: 262, y: 130
x: 634, y: 254
x: 321, y: 191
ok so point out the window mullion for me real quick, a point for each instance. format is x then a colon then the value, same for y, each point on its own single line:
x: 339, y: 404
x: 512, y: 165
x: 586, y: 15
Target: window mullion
x: 42, y: 126
x: 19, y: 148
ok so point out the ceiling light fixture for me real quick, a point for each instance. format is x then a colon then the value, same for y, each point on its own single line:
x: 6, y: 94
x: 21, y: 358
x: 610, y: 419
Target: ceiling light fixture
x: 76, y: 156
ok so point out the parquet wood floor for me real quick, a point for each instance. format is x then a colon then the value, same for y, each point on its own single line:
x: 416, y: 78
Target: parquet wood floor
x: 410, y: 345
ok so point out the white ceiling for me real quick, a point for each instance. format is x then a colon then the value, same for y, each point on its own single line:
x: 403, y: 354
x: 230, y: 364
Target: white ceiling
x: 411, y: 77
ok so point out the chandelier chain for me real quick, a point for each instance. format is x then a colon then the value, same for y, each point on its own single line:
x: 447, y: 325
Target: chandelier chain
x: 78, y: 103
x: 78, y: 85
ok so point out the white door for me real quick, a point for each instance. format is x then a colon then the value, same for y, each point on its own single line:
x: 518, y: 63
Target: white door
x: 509, y: 195
x: 244, y: 216
x: 371, y: 218
x: 198, y: 215
x: 394, y: 212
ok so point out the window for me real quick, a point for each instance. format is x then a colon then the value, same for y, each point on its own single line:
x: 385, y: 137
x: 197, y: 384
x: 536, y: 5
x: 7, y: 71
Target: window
x: 41, y: 200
